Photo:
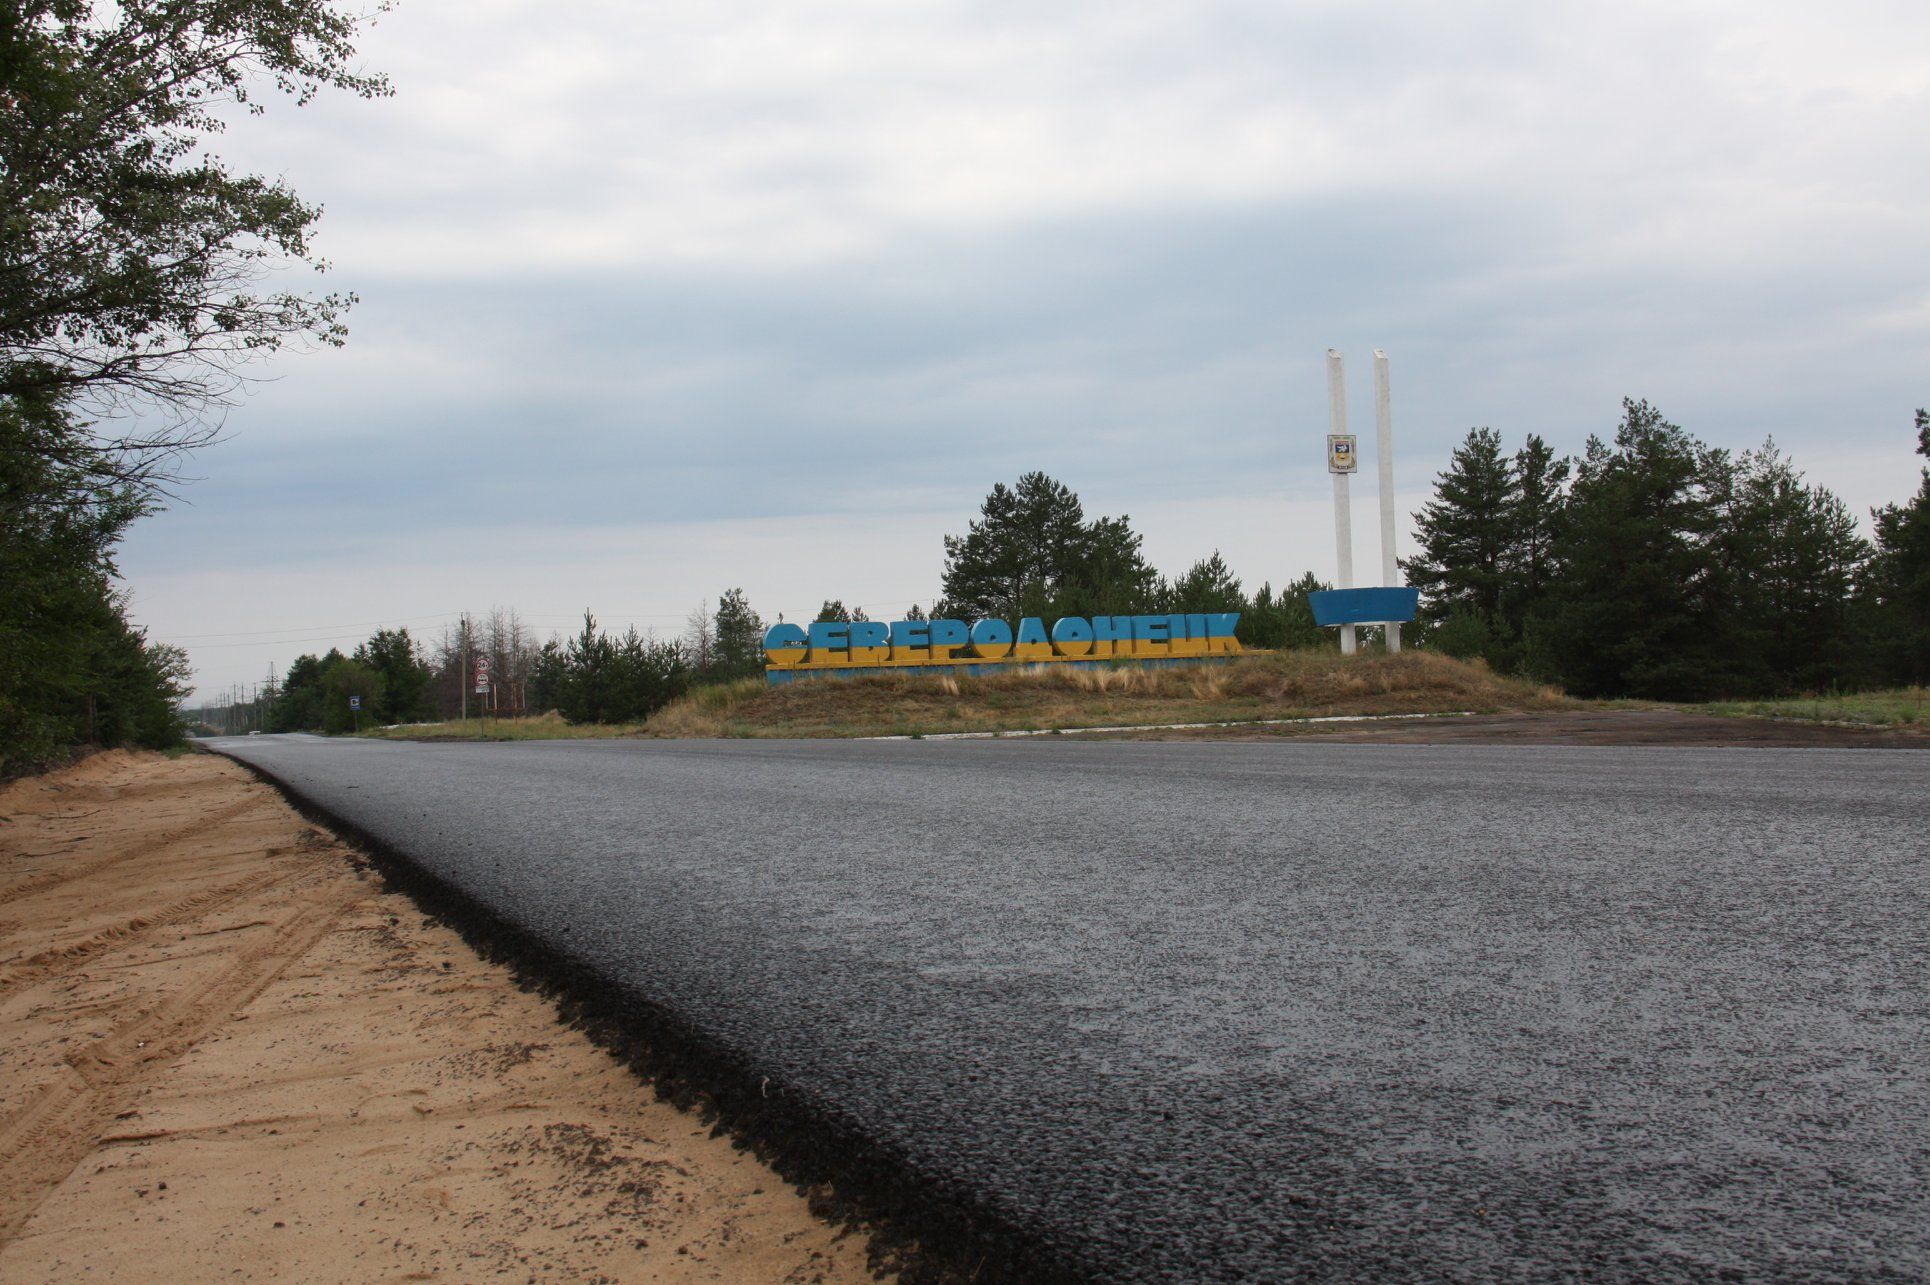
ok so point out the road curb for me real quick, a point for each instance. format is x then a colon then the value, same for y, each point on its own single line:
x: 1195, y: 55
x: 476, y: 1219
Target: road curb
x: 1163, y: 727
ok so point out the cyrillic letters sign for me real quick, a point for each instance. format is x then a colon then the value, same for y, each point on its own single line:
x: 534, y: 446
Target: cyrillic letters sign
x: 837, y: 644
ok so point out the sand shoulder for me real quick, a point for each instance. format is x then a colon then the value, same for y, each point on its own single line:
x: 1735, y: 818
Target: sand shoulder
x: 225, y: 1046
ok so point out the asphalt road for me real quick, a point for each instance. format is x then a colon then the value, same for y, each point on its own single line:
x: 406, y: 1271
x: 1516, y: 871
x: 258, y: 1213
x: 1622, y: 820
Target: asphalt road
x: 1252, y: 1011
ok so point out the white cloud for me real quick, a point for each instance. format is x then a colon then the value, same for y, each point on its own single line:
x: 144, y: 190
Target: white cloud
x: 778, y: 133
x: 676, y: 268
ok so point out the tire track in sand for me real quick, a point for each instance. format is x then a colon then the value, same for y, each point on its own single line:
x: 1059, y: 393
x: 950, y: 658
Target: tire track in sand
x: 68, y: 872
x: 59, y: 959
x: 61, y: 1123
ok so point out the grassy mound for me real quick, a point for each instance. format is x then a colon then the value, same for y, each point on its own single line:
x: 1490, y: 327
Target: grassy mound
x: 1303, y: 684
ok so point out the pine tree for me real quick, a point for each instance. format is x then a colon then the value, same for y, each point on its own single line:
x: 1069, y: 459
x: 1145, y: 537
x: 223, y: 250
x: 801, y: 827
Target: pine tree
x: 391, y: 655
x: 1110, y: 576
x: 1465, y: 534
x: 1540, y: 489
x: 1032, y: 553
x: 1285, y: 623
x: 646, y: 675
x: 1636, y: 607
x: 1207, y: 586
x: 589, y: 661
x: 1896, y: 587
x: 1790, y: 553
x: 1010, y: 562
x: 740, y: 635
x: 548, y: 679
x: 72, y: 668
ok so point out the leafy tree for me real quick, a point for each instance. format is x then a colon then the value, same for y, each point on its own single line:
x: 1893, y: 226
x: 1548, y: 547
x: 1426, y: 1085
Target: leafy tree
x: 129, y: 261
x: 299, y: 707
x: 128, y: 254
x: 1896, y: 585
x: 344, y: 680
x: 392, y: 655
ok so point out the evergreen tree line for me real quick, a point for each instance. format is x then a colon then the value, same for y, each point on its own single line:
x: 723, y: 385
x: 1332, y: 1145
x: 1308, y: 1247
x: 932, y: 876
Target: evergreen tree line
x: 1657, y: 566
x: 594, y: 676
x: 1033, y: 552
x: 1653, y: 566
x: 73, y: 670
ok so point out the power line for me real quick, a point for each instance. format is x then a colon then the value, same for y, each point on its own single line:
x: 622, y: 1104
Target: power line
x: 302, y: 629
x: 276, y: 642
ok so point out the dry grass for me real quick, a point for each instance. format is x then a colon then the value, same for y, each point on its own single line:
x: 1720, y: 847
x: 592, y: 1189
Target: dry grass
x: 1278, y: 685
x: 1898, y: 707
x: 537, y: 727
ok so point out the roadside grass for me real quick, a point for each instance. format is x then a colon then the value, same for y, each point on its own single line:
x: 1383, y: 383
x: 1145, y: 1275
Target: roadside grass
x: 537, y: 727
x: 1896, y: 707
x: 1303, y: 684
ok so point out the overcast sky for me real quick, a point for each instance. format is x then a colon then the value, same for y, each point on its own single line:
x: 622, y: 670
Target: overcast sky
x: 658, y: 299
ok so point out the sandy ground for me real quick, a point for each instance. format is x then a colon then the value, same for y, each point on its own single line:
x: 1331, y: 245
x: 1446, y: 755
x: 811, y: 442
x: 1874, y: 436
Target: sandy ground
x: 226, y: 1050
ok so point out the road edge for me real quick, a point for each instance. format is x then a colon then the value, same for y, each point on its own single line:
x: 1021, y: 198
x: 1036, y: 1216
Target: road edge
x: 928, y: 1232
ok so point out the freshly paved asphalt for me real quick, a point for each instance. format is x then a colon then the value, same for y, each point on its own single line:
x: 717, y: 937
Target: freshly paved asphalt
x: 1251, y: 1011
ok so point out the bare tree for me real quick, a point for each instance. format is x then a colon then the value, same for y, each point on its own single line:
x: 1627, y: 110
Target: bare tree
x: 700, y: 637
x: 512, y: 650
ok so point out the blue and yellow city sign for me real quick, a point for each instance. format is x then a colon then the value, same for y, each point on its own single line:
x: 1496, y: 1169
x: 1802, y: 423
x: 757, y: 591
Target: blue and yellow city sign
x: 873, y: 644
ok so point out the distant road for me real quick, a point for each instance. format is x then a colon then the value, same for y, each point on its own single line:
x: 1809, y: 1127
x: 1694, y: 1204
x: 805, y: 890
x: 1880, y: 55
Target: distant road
x: 1250, y: 1011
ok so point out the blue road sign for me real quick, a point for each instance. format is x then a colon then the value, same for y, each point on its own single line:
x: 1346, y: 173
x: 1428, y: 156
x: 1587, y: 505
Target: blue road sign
x: 1388, y: 604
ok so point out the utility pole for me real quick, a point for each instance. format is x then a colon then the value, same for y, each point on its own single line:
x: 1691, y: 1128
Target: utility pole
x: 463, y: 679
x: 1384, y: 458
x: 1339, y: 444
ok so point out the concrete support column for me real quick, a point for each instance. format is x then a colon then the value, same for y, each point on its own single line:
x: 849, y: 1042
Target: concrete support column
x: 1343, y: 513
x: 1384, y: 458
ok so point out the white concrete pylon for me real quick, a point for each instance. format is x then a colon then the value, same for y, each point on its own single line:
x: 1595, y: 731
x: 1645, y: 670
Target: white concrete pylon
x: 1384, y: 458
x: 1343, y: 514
